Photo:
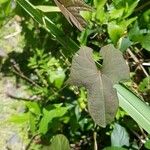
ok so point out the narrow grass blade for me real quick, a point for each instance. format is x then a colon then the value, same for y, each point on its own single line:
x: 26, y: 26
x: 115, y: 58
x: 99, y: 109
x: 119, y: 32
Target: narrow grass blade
x: 135, y: 107
x: 42, y: 19
x: 48, y: 8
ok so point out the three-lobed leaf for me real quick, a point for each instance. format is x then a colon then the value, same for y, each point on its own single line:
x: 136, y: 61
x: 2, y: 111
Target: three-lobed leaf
x: 102, y: 97
x: 71, y: 10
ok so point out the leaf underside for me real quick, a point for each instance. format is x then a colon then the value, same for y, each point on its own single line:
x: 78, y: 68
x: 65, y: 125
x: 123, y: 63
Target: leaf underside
x: 71, y: 10
x: 102, y: 97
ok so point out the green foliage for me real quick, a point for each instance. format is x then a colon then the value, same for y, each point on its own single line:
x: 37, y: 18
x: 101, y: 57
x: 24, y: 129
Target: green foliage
x: 136, y: 108
x: 6, y: 10
x: 48, y: 69
x: 59, y: 142
x: 147, y: 144
x: 119, y: 136
x: 49, y: 115
x: 19, y: 119
x: 57, y: 112
x: 137, y: 35
x: 145, y: 85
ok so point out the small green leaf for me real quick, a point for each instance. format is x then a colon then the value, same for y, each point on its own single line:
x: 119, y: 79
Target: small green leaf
x: 3, y: 1
x: 115, y: 31
x: 119, y: 136
x: 147, y: 144
x: 124, y: 43
x: 59, y: 79
x: 130, y: 7
x: 49, y: 115
x: 145, y: 42
x: 145, y: 85
x: 19, y: 119
x: 59, y: 142
x: 34, y: 107
x: 136, y: 35
x: 116, y: 13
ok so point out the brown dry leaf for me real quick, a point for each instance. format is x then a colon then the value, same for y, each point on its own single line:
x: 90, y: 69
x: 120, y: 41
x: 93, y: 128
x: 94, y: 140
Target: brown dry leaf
x: 71, y: 10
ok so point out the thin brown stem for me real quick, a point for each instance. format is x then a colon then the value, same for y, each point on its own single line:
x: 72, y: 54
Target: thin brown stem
x: 137, y: 61
x: 17, y: 71
x: 30, y: 142
x: 142, y: 6
x: 21, y: 98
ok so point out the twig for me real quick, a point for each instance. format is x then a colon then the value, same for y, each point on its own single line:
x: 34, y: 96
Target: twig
x: 17, y: 71
x: 142, y: 6
x: 146, y: 64
x: 30, y: 142
x: 65, y: 58
x: 142, y: 131
x: 95, y: 141
x: 20, y: 98
x: 137, y: 61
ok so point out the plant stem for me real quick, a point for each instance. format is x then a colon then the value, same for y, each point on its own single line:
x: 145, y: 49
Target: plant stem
x: 137, y: 61
x: 95, y: 141
x: 142, y: 6
x: 17, y: 71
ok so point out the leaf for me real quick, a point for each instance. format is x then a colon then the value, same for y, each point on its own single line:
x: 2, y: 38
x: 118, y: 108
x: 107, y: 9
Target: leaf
x: 45, y: 8
x: 50, y: 26
x: 19, y: 119
x: 32, y: 123
x: 59, y: 142
x: 114, y: 66
x: 145, y: 42
x: 119, y: 136
x: 134, y: 106
x: 102, y: 98
x: 71, y: 9
x: 49, y: 115
x: 124, y: 43
x: 136, y: 35
x: 116, y: 13
x: 34, y: 107
x: 114, y: 148
x: 147, y: 144
x: 115, y: 31
x: 144, y: 86
x: 3, y: 1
